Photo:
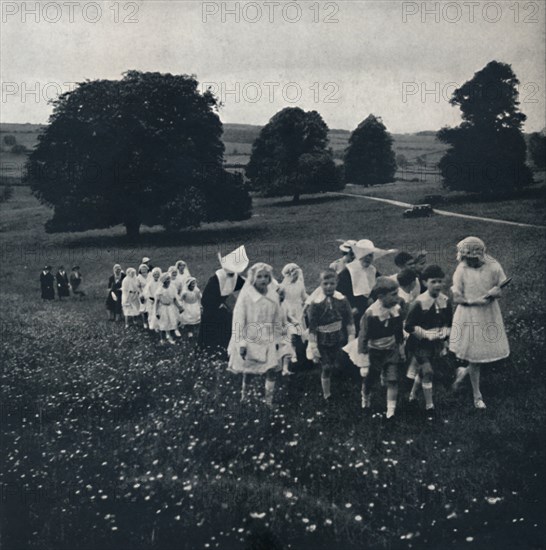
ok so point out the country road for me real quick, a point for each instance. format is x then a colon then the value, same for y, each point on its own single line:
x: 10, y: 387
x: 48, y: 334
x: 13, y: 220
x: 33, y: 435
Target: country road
x: 442, y: 212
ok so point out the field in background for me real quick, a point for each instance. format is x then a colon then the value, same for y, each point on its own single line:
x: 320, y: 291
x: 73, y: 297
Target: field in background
x: 114, y: 442
x: 238, y: 139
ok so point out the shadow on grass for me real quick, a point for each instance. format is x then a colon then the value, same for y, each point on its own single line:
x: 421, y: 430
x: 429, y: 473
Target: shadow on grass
x: 305, y: 201
x: 159, y: 239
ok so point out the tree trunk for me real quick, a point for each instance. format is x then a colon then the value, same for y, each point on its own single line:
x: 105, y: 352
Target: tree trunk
x: 133, y: 230
x: 296, y: 198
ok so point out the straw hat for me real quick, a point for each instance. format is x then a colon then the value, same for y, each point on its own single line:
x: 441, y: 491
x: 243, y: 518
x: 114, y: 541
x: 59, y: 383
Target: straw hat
x: 346, y: 246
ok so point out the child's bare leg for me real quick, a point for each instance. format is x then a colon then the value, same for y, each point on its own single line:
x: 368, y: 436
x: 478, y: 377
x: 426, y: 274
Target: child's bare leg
x: 144, y: 319
x: 285, y: 363
x: 427, y: 385
x: 474, y: 372
x: 365, y: 391
x: 269, y: 387
x: 392, y: 396
x: 244, y: 388
x: 415, y: 388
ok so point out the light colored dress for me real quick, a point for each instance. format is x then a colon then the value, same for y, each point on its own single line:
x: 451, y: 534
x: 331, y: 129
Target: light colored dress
x: 257, y: 325
x: 149, y: 294
x: 130, y: 302
x: 142, y: 281
x: 165, y: 307
x: 295, y: 297
x: 478, y: 333
x: 191, y: 302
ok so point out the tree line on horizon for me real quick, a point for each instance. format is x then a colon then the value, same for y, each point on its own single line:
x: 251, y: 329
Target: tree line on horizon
x: 147, y: 150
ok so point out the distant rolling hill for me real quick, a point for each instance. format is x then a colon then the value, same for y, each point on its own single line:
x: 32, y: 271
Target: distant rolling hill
x: 238, y: 139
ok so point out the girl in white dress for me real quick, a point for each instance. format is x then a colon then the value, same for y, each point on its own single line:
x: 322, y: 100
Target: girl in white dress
x: 294, y: 298
x: 176, y: 290
x: 182, y: 277
x: 190, y: 300
x: 150, y: 289
x: 167, y: 309
x: 256, y: 338
x: 477, y: 335
x: 142, y: 281
x: 130, y: 302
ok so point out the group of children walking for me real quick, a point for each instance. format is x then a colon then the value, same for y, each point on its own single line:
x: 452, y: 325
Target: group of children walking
x: 381, y: 324
x: 164, y: 302
x: 396, y: 322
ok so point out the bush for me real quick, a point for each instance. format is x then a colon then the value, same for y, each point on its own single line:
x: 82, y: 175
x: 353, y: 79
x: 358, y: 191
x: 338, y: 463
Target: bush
x: 19, y: 149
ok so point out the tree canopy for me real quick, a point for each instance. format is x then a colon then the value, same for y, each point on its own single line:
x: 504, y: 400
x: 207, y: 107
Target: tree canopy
x: 488, y: 150
x: 369, y: 158
x: 145, y: 149
x: 291, y: 156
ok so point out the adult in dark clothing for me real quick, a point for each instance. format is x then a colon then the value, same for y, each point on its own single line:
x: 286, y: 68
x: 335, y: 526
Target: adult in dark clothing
x: 113, y: 301
x: 218, y: 301
x: 357, y: 281
x: 63, y: 290
x: 47, y: 284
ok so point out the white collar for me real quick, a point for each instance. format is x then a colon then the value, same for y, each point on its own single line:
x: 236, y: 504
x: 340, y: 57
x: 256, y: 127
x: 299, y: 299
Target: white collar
x: 318, y: 296
x: 427, y: 301
x: 383, y: 313
x: 270, y: 295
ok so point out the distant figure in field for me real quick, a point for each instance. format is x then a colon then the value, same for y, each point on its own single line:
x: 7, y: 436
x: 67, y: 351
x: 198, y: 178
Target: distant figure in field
x: 113, y: 302
x: 215, y: 329
x: 63, y: 288
x: 47, y: 284
x: 76, y: 281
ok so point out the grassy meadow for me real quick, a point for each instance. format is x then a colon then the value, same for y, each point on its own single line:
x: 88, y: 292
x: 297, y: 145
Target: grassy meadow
x: 111, y: 441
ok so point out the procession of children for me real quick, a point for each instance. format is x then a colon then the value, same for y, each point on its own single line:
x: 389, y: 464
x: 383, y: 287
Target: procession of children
x: 389, y: 327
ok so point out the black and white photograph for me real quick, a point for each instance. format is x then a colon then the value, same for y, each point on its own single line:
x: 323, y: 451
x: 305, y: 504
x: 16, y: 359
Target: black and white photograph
x: 272, y: 275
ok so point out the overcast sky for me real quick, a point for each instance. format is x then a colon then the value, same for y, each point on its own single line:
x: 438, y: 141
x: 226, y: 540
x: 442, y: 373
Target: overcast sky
x: 344, y: 59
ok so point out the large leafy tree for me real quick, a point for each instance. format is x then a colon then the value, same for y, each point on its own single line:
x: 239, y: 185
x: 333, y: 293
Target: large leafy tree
x: 291, y: 156
x: 369, y: 158
x: 488, y: 150
x: 146, y: 149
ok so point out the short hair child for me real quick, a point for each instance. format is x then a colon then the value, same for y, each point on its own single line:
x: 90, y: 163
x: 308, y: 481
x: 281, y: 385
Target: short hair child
x: 402, y: 259
x: 428, y: 324
x: 331, y: 325
x: 381, y: 336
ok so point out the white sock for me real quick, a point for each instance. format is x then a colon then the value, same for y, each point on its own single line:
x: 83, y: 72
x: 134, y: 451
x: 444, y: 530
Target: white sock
x: 366, y: 398
x: 269, y: 390
x: 392, y: 395
x: 415, y: 388
x: 427, y: 392
x: 325, y: 387
x: 391, y: 408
